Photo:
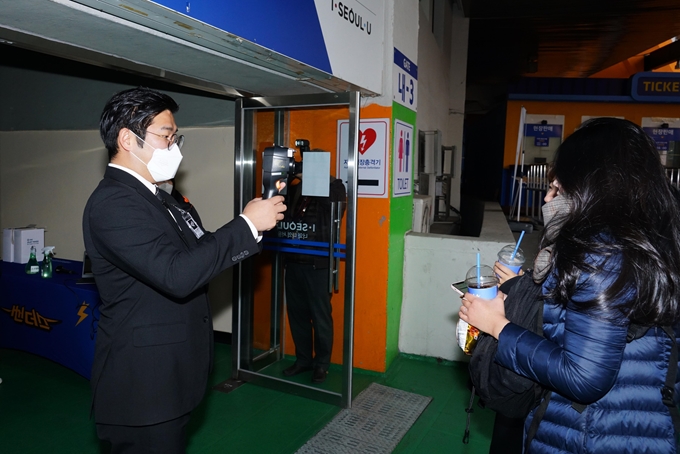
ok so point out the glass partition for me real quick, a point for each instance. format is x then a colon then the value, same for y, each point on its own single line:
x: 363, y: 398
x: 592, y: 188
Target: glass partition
x: 309, y: 258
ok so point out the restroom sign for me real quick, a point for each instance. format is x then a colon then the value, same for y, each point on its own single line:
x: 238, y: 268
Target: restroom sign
x: 373, y: 158
x: 402, y: 159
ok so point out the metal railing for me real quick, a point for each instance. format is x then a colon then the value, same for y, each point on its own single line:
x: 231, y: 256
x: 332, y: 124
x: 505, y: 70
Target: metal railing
x: 535, y: 186
x: 674, y: 176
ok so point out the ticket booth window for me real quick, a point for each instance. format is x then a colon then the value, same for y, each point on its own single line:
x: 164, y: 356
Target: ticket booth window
x: 666, y: 135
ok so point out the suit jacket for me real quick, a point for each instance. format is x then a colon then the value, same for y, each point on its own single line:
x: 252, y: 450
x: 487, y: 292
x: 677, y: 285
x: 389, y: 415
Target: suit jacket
x: 153, y: 350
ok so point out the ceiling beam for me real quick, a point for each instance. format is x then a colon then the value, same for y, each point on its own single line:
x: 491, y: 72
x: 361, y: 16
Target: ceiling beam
x: 663, y: 56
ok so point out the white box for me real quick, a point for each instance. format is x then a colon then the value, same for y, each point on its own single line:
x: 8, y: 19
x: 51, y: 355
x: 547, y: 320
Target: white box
x: 24, y: 238
x: 422, y: 209
x: 8, y: 245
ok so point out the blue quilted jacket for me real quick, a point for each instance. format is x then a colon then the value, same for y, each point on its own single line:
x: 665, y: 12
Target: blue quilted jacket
x: 584, y: 357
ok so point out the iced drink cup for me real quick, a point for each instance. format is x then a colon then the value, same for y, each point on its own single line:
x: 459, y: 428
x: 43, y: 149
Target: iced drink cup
x: 514, y: 263
x: 482, y: 282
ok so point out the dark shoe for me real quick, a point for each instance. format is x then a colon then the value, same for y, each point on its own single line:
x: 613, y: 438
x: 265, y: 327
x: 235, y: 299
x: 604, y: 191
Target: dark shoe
x: 319, y: 375
x: 296, y: 369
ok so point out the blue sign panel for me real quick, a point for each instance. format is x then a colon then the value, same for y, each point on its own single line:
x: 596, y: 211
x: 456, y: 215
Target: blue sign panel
x: 403, y: 62
x: 541, y: 130
x: 289, y: 28
x: 662, y: 136
x: 651, y: 86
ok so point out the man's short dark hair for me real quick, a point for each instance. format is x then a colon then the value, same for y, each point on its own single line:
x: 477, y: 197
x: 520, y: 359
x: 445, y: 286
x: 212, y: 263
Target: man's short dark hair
x: 135, y: 110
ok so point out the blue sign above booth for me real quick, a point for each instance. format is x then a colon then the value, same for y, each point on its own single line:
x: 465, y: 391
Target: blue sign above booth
x: 542, y: 133
x: 657, y: 87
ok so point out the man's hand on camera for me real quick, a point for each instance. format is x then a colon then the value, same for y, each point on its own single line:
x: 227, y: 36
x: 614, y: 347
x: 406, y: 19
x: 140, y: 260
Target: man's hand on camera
x: 265, y: 213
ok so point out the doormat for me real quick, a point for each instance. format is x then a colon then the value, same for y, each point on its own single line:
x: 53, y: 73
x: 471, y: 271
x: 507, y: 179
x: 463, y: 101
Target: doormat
x: 377, y: 421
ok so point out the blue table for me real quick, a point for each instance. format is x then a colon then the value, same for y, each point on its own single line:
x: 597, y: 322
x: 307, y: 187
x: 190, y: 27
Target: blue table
x: 55, y: 318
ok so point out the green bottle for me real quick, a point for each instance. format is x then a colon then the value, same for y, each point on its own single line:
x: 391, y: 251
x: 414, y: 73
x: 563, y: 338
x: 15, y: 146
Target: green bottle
x: 32, y: 266
x: 46, y: 269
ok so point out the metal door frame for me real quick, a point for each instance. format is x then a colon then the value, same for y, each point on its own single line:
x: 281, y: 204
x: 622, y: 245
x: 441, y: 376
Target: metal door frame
x: 244, y: 185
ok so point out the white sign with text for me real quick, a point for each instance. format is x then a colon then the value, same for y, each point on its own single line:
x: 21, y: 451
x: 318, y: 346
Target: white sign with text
x: 372, y: 159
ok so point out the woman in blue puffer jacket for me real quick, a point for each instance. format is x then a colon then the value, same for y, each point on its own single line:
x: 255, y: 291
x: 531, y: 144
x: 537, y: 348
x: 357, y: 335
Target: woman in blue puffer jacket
x: 610, y: 257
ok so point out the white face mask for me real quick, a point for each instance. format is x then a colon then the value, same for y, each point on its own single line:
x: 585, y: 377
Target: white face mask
x: 164, y: 163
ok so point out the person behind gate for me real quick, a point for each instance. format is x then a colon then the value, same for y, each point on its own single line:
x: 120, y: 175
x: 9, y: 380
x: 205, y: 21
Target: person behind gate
x: 308, y: 298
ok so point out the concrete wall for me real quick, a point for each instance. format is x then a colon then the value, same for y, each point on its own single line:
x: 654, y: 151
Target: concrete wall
x: 431, y: 264
x: 442, y: 66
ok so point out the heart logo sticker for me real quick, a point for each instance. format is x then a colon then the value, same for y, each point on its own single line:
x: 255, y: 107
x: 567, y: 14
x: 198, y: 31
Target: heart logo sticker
x: 366, y: 139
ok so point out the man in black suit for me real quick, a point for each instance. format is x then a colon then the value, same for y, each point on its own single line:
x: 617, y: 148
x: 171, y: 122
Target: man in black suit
x: 152, y: 261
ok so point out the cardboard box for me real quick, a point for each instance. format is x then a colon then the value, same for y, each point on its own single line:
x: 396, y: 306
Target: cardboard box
x: 16, y: 244
x: 8, y: 245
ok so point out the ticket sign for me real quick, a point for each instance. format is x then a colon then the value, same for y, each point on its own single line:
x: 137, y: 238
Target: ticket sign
x: 658, y: 87
x: 373, y: 156
x: 402, y: 167
x: 405, y: 81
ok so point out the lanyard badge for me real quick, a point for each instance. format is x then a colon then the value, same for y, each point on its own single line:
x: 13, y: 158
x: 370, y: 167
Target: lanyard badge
x: 191, y: 222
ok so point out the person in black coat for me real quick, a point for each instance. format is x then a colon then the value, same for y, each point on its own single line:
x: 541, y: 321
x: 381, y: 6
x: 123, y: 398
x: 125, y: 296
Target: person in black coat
x: 152, y: 261
x: 308, y: 297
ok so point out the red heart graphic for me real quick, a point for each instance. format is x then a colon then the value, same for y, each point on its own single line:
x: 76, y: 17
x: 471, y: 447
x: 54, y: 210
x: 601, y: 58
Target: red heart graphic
x: 366, y: 139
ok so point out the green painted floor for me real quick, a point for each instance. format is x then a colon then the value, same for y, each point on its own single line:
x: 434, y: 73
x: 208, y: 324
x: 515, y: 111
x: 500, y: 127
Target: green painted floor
x: 44, y: 408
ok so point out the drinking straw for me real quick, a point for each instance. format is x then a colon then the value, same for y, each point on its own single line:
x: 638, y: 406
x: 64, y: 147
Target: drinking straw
x: 479, y: 278
x: 521, y: 235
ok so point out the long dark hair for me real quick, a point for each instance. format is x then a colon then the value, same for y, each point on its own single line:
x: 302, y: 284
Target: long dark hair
x: 623, y: 206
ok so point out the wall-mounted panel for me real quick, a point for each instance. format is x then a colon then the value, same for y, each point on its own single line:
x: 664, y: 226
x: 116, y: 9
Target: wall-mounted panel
x: 344, y: 39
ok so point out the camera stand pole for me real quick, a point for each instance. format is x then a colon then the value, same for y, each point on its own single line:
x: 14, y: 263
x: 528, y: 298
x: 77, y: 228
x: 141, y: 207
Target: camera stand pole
x: 519, y: 189
x: 520, y: 140
x: 518, y: 226
x: 518, y: 178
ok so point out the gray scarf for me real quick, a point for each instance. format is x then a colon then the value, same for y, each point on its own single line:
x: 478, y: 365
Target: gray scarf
x: 554, y: 215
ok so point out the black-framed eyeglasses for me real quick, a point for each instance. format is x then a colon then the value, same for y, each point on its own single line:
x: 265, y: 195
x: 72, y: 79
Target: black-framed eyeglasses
x: 173, y: 139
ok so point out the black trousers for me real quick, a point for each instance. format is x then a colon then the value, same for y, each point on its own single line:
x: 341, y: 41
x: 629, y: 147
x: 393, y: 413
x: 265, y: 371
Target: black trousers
x: 168, y: 437
x: 507, y: 436
x: 308, y: 303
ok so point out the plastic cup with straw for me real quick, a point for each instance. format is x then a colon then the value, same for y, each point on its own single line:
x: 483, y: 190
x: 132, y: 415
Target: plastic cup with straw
x: 512, y: 256
x: 481, y: 280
